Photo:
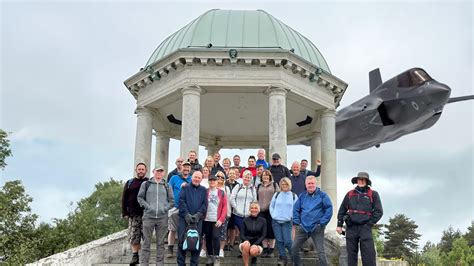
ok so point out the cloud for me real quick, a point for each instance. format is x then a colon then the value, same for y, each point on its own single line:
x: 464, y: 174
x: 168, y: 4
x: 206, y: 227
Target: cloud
x: 72, y: 120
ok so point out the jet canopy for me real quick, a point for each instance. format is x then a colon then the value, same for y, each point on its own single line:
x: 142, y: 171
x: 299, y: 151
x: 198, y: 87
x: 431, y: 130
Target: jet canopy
x: 413, y: 77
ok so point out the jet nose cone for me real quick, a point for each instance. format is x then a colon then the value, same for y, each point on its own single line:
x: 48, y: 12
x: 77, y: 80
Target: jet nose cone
x: 439, y: 93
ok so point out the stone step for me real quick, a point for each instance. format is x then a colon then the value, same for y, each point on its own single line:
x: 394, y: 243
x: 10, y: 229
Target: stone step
x: 223, y: 261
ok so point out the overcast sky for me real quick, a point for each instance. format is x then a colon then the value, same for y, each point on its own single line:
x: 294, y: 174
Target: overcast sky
x: 72, y: 120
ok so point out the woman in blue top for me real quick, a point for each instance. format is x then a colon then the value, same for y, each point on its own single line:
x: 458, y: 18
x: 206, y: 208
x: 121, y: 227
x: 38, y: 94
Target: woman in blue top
x: 281, y: 210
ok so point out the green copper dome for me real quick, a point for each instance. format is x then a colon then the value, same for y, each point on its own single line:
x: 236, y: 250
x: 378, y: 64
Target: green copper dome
x: 239, y: 29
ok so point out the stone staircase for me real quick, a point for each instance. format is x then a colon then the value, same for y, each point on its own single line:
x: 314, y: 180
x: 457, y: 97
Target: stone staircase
x: 230, y: 258
x: 114, y: 250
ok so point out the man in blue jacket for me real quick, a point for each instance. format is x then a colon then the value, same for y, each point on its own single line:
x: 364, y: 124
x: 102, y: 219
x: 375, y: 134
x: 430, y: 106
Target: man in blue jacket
x: 192, y: 209
x: 311, y: 213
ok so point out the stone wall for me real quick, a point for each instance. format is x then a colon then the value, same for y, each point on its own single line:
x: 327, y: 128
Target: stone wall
x: 102, y: 250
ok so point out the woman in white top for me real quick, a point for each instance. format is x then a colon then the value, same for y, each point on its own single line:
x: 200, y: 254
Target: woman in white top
x: 242, y: 195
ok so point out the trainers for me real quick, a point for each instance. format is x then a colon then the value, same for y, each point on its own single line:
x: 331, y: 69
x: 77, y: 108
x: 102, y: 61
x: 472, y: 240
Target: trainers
x: 221, y: 253
x: 217, y: 261
x: 210, y: 260
x: 203, y: 253
x: 135, y: 259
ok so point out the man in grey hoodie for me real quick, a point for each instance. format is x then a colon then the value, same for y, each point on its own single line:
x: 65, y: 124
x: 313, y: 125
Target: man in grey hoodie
x: 156, y: 197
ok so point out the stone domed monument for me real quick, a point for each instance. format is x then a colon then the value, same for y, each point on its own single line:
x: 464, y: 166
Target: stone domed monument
x: 238, y: 79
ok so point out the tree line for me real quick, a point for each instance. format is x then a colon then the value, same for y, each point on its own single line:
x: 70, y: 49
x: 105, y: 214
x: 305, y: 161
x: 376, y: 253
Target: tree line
x: 23, y: 239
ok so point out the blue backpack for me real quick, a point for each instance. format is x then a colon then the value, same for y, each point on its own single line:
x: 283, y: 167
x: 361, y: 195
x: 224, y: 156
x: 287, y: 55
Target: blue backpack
x: 191, y: 238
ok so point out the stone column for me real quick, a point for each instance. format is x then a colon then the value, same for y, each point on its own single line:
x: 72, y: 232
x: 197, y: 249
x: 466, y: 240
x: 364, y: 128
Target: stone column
x: 277, y: 122
x: 190, y: 120
x: 143, y: 137
x: 315, y: 150
x: 268, y: 156
x: 162, y: 150
x: 212, y: 149
x: 328, y: 161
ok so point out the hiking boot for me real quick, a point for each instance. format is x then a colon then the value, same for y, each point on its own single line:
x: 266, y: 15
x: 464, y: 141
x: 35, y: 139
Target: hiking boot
x: 253, y: 261
x: 270, y: 253
x: 264, y: 253
x: 135, y: 259
x: 282, y: 261
x: 169, y: 253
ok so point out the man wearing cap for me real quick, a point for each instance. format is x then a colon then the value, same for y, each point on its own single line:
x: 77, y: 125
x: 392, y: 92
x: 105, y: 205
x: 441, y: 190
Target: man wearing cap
x: 360, y: 210
x: 277, y: 169
x: 176, y: 183
x: 156, y: 197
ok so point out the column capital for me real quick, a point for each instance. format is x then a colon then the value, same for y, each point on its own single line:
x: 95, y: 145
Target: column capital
x: 141, y: 110
x: 275, y: 90
x: 193, y: 90
x: 162, y: 135
x: 330, y: 113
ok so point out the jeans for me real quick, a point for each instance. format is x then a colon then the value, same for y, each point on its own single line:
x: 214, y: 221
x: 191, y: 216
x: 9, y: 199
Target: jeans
x: 362, y: 234
x: 159, y: 225
x: 318, y: 239
x: 282, y: 233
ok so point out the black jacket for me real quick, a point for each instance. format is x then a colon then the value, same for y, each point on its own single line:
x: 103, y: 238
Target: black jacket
x: 367, y: 212
x: 278, y: 172
x: 255, y: 229
x: 130, y: 206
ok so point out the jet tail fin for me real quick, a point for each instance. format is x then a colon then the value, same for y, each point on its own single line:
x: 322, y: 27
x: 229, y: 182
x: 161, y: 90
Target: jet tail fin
x: 462, y: 98
x: 374, y: 79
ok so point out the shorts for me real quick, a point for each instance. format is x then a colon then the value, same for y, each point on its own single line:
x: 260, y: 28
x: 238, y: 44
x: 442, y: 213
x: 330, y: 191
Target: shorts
x: 173, y: 219
x: 259, y: 247
x: 223, y: 230
x: 135, y: 232
x: 230, y: 222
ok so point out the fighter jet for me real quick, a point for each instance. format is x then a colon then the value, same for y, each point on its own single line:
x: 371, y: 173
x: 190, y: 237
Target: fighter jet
x: 410, y: 102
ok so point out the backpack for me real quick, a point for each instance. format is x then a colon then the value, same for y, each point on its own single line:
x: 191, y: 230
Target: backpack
x: 240, y: 187
x: 191, y: 238
x: 274, y: 188
x: 278, y: 193
x: 147, y: 185
x: 354, y: 193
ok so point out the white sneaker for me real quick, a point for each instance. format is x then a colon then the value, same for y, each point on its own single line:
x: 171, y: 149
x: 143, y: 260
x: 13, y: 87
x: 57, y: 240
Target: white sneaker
x: 203, y: 253
x: 221, y: 253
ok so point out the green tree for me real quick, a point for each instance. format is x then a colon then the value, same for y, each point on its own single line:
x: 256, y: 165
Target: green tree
x: 447, y: 239
x: 17, y: 224
x: 378, y: 238
x: 469, y: 235
x: 460, y: 254
x: 4, y: 149
x: 100, y: 214
x: 431, y: 255
x: 401, y: 237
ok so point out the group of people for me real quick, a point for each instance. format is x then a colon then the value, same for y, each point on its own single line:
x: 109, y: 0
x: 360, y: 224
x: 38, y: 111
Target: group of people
x: 254, y: 202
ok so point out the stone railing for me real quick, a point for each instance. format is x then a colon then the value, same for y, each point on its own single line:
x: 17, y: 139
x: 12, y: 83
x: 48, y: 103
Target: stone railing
x: 98, y: 251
